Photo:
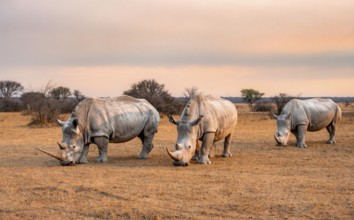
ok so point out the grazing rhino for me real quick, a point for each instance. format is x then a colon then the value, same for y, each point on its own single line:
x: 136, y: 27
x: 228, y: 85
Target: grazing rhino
x: 207, y: 119
x: 104, y: 120
x: 299, y: 116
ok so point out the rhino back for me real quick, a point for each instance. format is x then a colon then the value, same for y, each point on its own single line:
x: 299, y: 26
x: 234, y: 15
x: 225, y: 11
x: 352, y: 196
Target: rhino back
x: 120, y: 119
x: 220, y: 115
x: 317, y: 113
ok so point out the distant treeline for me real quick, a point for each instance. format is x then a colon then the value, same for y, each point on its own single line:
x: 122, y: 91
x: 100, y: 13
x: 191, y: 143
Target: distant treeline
x: 269, y: 99
x: 234, y: 99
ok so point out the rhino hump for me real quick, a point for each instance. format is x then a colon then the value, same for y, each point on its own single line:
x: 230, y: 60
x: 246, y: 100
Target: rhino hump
x: 119, y: 119
x: 220, y: 115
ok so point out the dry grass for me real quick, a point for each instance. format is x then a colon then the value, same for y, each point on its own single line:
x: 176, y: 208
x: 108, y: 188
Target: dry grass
x: 260, y: 181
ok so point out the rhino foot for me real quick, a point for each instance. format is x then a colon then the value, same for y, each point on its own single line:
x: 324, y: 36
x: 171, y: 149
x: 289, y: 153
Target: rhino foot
x: 204, y: 160
x: 83, y: 160
x: 331, y: 142
x: 195, y: 158
x: 101, y: 160
x: 301, y: 145
x: 227, y: 154
x: 142, y: 156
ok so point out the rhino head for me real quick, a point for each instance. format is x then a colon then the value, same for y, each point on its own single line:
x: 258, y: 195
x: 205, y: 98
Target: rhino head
x: 186, y: 141
x: 72, y: 144
x: 283, y: 129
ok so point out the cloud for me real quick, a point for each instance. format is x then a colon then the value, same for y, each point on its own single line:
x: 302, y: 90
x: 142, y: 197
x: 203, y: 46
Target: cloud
x: 274, y: 46
x: 150, y: 33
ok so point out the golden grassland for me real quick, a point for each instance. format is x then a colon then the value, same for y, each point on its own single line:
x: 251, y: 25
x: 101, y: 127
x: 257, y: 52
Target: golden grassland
x: 260, y: 181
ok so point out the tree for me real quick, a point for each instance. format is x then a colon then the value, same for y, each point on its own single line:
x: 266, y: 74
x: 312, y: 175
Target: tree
x: 78, y: 96
x: 250, y: 96
x: 9, y: 88
x: 46, y: 89
x: 190, y: 92
x: 281, y: 100
x: 46, y: 104
x: 10, y: 105
x: 154, y: 93
x: 60, y: 93
x: 42, y: 109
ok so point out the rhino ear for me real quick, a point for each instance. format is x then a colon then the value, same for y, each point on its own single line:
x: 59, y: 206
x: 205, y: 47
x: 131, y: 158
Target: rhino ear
x: 61, y: 123
x: 75, y: 128
x: 172, y: 120
x: 75, y: 123
x: 197, y: 121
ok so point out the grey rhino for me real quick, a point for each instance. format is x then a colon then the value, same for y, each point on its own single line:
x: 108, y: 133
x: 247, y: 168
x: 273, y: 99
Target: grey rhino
x: 207, y: 119
x: 104, y: 120
x: 299, y: 116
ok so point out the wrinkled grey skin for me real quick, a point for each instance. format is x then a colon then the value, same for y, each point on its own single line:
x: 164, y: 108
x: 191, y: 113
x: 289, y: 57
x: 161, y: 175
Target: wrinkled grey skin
x: 299, y: 116
x: 207, y: 119
x: 107, y: 120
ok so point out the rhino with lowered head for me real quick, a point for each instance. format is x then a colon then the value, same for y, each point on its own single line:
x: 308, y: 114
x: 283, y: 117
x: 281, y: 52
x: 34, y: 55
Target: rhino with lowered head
x: 207, y: 119
x: 104, y: 120
x: 299, y: 116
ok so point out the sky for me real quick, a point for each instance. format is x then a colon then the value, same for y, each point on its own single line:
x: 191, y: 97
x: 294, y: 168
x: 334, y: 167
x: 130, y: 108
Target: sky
x: 303, y: 48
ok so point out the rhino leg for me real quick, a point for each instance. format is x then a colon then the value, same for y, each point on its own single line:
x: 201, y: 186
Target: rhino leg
x: 207, y: 142
x: 196, y: 154
x: 227, y: 146
x: 147, y: 135
x: 300, y: 137
x: 84, y: 153
x: 102, y: 144
x: 147, y: 145
x: 331, y: 128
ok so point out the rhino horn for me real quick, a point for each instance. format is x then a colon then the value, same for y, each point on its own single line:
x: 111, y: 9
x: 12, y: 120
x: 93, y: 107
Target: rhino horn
x: 61, y: 146
x: 176, y: 156
x: 52, y: 155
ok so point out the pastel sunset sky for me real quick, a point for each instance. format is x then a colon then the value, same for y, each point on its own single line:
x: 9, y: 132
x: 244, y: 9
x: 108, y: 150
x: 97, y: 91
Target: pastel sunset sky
x: 303, y: 47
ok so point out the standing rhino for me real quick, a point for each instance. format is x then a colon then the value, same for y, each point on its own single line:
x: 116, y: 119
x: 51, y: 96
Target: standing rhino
x: 207, y: 119
x: 299, y: 116
x: 104, y: 120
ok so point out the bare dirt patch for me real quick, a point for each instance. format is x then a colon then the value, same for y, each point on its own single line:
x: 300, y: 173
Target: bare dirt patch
x: 260, y: 181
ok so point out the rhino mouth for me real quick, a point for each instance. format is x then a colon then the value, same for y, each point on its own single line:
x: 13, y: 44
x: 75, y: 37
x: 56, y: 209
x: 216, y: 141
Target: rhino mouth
x: 67, y: 163
x: 179, y: 163
x: 279, y: 141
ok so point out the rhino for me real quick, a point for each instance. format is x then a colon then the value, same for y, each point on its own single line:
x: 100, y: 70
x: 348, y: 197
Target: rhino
x: 299, y: 116
x: 106, y: 120
x: 207, y: 119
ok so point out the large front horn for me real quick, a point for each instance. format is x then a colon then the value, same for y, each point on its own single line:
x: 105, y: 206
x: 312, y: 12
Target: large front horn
x: 176, y: 156
x: 52, y: 155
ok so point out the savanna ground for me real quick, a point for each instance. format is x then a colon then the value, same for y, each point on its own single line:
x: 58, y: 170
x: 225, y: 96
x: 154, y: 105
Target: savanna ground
x: 260, y: 181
